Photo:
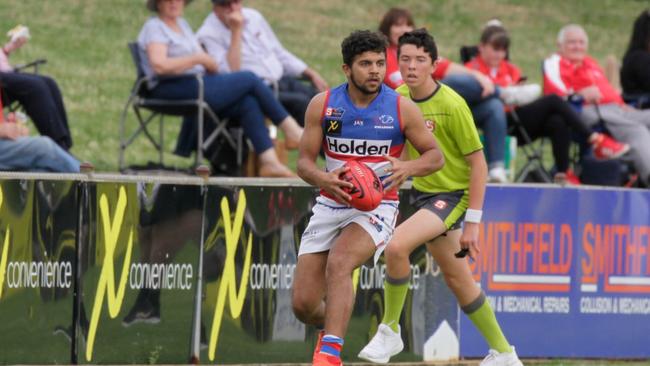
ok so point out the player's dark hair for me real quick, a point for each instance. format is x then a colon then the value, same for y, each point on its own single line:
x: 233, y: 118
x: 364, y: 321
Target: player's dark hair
x: 420, y: 38
x: 361, y: 41
x: 395, y: 16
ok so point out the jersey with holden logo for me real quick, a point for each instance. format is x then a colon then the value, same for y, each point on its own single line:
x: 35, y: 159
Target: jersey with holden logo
x: 363, y: 134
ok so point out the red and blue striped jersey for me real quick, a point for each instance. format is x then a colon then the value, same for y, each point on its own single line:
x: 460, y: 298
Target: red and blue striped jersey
x: 364, y: 134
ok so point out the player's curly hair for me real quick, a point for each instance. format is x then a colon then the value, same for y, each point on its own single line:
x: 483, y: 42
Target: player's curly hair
x: 361, y: 41
x: 420, y: 38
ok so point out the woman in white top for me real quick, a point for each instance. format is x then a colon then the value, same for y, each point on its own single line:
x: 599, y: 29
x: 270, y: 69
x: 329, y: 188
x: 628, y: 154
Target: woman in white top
x: 169, y: 47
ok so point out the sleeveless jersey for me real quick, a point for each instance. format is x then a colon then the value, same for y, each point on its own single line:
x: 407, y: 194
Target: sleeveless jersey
x: 363, y: 134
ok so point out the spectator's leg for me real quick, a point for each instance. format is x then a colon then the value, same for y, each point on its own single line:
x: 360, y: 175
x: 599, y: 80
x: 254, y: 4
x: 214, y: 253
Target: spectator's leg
x: 249, y: 113
x: 558, y: 131
x: 296, y: 104
x: 36, y: 154
x: 640, y: 115
x: 552, y: 105
x: 57, y: 98
x: 186, y: 141
x: 490, y: 116
x: 630, y: 127
x: 224, y: 90
x: 544, y: 117
x: 467, y: 87
x: 225, y: 94
x: 488, y: 113
x: 33, y: 93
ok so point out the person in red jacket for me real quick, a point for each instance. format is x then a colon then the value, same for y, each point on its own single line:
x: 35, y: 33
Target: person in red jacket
x: 572, y: 73
x: 548, y: 116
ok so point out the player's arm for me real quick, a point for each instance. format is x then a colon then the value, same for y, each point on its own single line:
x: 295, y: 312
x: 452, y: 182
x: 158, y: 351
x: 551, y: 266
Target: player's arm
x: 477, y: 180
x: 430, y: 159
x: 310, y: 144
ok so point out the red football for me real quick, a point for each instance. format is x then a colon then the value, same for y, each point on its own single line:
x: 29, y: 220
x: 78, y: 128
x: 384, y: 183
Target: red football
x: 368, y: 189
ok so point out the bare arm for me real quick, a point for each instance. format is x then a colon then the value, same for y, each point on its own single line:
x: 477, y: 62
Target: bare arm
x: 430, y: 159
x: 310, y: 144
x: 12, y: 131
x: 14, y: 45
x: 163, y: 65
x: 316, y: 79
x: 591, y: 94
x: 477, y: 181
x: 235, y: 22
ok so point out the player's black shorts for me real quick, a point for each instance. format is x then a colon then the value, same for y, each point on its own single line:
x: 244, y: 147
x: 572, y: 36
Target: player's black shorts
x: 449, y: 206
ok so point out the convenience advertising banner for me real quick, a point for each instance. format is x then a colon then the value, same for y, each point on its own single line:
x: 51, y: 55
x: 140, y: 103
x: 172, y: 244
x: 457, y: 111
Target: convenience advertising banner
x: 250, y: 254
x: 138, y: 272
x: 174, y: 273
x: 567, y: 272
x: 37, y: 270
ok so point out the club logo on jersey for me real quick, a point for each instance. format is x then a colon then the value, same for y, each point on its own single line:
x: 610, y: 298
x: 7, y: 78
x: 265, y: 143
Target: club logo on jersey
x: 440, y: 204
x: 356, y: 147
x: 334, y: 127
x: 334, y: 112
x: 386, y: 119
x: 384, y: 122
x: 430, y: 124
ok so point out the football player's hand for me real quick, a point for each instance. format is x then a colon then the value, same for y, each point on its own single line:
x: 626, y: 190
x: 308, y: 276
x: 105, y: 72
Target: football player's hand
x: 399, y: 172
x: 469, y: 239
x: 336, y: 186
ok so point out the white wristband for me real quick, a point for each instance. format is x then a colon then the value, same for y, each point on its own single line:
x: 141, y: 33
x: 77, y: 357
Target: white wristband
x: 472, y: 215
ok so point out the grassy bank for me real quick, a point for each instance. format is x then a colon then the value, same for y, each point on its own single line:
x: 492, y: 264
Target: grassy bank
x: 84, y: 42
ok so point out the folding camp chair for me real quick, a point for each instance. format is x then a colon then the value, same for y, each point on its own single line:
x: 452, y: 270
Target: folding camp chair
x: 158, y: 108
x: 533, y: 169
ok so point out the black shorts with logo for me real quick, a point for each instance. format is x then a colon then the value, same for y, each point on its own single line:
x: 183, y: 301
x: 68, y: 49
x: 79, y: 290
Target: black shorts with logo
x: 449, y: 206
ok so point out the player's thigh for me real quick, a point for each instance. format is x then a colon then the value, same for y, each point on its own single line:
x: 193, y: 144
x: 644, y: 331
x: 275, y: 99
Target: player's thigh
x: 421, y: 227
x: 352, y: 248
x: 456, y: 271
x: 309, y: 280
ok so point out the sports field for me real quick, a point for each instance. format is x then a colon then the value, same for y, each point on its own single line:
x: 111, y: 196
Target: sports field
x: 85, y: 41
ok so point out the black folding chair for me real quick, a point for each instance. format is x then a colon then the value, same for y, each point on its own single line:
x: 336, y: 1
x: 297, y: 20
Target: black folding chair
x: 533, y: 169
x: 158, y: 108
x: 34, y: 65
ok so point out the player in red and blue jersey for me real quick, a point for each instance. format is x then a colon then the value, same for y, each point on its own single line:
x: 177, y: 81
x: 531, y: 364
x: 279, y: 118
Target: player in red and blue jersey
x: 360, y: 120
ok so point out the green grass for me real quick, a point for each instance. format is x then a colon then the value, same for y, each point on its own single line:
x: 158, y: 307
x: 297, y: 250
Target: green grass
x: 84, y: 42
